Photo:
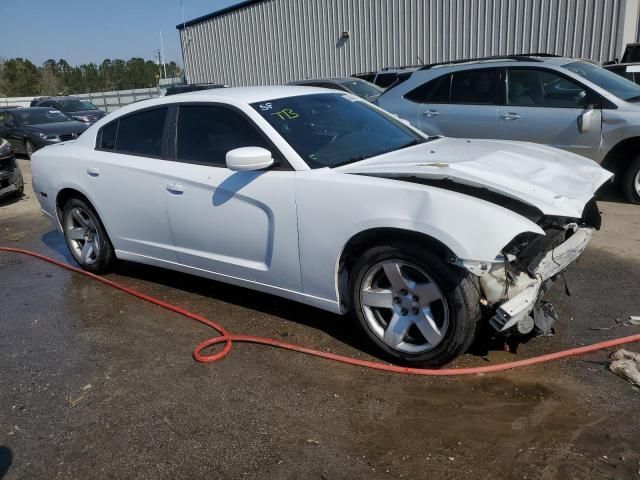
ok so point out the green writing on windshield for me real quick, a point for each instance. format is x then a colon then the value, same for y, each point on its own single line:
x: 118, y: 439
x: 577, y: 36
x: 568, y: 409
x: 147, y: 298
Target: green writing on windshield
x: 286, y: 114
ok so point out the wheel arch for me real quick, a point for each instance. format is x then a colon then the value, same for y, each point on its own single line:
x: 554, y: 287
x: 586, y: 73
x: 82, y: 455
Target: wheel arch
x: 67, y: 192
x: 373, y: 237
x: 619, y: 157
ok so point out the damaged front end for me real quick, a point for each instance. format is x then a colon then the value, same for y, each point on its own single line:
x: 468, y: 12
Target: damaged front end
x: 515, y: 283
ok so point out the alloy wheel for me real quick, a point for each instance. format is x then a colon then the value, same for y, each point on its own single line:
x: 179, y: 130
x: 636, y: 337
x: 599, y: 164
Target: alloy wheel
x: 404, y: 306
x: 83, y: 236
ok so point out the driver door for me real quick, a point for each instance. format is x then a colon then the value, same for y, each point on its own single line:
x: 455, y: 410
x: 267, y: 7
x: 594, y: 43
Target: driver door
x: 237, y: 224
x: 545, y: 107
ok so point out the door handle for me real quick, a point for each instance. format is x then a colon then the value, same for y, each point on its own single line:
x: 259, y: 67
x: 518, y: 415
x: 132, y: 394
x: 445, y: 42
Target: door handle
x: 431, y: 113
x: 93, y: 172
x: 511, y: 116
x: 175, y: 189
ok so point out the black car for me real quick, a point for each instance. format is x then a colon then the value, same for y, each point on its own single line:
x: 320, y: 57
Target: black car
x: 356, y: 86
x: 28, y: 129
x: 11, y: 182
x: 81, y: 110
x: 175, y: 89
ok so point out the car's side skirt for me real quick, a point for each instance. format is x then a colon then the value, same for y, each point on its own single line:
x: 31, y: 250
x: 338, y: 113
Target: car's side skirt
x: 322, y: 303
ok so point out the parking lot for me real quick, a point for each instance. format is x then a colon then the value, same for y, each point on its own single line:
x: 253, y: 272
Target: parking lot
x: 98, y: 384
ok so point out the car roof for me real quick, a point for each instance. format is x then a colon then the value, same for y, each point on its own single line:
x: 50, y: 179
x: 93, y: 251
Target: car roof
x: 325, y: 79
x: 249, y: 94
x: 502, y: 60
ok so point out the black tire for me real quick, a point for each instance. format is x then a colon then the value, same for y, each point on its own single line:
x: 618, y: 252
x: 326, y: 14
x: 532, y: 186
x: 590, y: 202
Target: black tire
x: 29, y: 148
x: 105, y: 259
x: 458, y: 287
x: 629, y: 185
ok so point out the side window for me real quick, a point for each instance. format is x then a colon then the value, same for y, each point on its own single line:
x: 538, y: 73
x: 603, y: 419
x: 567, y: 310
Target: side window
x: 540, y: 88
x: 142, y: 133
x: 206, y: 133
x: 434, y: 91
x: 108, y: 136
x: 475, y: 87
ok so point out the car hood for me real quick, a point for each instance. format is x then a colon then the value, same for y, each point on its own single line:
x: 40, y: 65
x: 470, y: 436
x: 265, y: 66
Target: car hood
x: 552, y: 180
x: 60, y: 128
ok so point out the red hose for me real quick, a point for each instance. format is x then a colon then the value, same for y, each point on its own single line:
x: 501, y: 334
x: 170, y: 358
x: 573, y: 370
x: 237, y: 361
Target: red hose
x: 227, y: 337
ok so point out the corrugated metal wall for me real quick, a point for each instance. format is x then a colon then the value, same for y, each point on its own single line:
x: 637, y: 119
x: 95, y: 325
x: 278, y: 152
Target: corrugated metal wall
x: 275, y: 41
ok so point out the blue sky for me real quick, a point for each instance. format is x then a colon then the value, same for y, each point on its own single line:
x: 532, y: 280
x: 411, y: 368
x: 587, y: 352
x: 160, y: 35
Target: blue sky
x: 83, y: 31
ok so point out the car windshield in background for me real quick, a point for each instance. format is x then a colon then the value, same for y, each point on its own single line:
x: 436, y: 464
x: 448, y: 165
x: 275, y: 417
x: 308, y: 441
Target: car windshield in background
x: 38, y: 117
x: 329, y: 130
x: 75, y: 105
x: 613, y: 83
x: 361, y: 88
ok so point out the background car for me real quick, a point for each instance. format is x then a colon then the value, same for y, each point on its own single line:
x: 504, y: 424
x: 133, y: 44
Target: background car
x: 29, y: 129
x: 194, y: 87
x: 11, y: 182
x: 386, y: 77
x: 81, y: 110
x: 356, y: 86
x: 566, y: 103
x: 329, y: 201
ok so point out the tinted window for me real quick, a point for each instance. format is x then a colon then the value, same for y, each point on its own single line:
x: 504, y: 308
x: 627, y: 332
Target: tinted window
x: 206, y: 134
x: 108, y: 139
x: 475, y: 87
x: 434, y: 91
x: 141, y: 133
x: 385, y: 79
x: 542, y: 88
x: 329, y: 129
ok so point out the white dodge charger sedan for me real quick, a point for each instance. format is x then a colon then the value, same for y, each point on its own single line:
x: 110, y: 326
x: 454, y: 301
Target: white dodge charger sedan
x: 323, y: 198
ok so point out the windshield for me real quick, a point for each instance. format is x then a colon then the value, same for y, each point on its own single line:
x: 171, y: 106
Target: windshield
x: 613, y: 83
x: 328, y: 130
x: 361, y: 88
x: 39, y: 116
x: 75, y: 105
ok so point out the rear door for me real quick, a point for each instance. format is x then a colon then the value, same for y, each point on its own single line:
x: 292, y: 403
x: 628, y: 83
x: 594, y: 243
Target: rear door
x: 462, y: 104
x: 543, y: 106
x: 125, y: 180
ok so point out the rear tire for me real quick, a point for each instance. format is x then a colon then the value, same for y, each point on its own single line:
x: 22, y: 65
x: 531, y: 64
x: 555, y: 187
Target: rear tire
x: 414, y: 307
x: 631, y: 181
x: 86, y: 237
x: 29, y: 148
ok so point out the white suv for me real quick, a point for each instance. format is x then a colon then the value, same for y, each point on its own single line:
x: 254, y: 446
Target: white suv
x: 563, y: 102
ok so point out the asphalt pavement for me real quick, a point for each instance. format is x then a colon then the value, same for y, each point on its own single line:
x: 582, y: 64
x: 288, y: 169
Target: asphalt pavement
x: 97, y: 384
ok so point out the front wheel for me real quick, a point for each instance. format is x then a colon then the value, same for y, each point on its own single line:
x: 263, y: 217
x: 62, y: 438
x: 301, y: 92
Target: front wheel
x: 631, y: 181
x: 413, y: 306
x: 86, y: 237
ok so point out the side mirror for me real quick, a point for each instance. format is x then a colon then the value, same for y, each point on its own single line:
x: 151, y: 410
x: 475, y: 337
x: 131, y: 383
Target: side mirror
x: 249, y: 158
x: 9, y: 124
x: 585, y: 119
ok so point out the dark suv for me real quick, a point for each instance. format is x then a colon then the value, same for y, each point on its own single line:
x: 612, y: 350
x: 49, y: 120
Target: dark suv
x: 80, y: 110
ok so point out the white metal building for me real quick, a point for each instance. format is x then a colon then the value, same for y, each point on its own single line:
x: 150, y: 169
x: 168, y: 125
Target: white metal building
x: 273, y: 41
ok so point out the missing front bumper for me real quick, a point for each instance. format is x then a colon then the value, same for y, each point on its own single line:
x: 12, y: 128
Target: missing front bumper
x: 518, y: 309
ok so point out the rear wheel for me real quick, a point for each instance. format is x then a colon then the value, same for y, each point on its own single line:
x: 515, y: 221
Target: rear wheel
x: 413, y: 306
x: 631, y: 181
x: 29, y: 148
x: 86, y: 237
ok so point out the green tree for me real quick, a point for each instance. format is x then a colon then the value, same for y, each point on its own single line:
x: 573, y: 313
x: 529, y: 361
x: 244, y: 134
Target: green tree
x: 20, y: 78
